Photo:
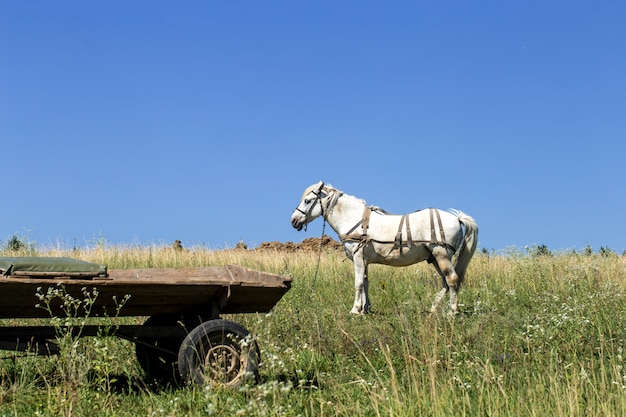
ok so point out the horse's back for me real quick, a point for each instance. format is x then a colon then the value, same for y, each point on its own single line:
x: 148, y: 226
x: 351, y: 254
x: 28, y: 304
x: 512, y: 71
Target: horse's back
x: 425, y: 226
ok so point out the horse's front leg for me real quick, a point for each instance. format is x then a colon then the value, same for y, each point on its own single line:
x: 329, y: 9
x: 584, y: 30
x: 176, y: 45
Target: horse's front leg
x: 361, y: 283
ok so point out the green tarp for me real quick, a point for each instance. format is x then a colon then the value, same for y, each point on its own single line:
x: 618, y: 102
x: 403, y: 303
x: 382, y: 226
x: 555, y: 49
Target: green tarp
x: 51, y: 267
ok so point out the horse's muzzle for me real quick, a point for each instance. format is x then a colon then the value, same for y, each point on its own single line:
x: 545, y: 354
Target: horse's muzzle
x: 296, y: 221
x: 297, y: 224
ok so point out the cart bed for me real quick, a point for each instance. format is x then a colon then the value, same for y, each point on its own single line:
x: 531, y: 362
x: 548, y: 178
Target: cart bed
x: 230, y: 289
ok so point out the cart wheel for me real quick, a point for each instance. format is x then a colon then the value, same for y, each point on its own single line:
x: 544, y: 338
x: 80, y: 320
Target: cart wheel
x: 219, y: 352
x: 158, y: 356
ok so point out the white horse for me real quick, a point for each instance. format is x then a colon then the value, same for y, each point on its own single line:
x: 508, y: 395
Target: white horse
x: 372, y: 236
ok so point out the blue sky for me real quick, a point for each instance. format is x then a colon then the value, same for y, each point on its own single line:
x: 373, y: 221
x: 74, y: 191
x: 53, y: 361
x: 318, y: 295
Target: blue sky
x: 148, y: 121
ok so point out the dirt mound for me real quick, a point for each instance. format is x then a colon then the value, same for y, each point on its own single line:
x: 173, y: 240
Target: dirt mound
x: 310, y: 244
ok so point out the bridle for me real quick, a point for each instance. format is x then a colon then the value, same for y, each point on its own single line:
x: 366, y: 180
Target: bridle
x: 318, y: 198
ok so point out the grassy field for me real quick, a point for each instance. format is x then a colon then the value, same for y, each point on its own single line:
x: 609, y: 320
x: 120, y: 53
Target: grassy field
x: 536, y: 336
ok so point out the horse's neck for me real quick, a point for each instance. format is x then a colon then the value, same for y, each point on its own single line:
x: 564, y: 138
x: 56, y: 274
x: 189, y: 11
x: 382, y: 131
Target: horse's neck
x: 346, y: 213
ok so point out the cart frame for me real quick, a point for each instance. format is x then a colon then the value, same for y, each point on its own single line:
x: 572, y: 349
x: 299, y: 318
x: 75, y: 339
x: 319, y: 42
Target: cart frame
x: 183, y: 340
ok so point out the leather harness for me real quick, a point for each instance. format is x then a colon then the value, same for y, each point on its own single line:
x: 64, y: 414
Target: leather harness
x: 363, y: 238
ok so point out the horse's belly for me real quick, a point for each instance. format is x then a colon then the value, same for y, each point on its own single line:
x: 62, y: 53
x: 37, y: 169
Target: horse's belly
x: 398, y: 256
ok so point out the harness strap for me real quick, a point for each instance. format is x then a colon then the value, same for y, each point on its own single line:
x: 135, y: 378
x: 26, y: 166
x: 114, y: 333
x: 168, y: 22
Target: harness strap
x: 398, y: 242
x: 433, y: 234
x: 441, y: 232
x: 409, y: 238
x: 365, y: 222
x: 366, y: 219
x: 352, y: 230
x: 363, y: 238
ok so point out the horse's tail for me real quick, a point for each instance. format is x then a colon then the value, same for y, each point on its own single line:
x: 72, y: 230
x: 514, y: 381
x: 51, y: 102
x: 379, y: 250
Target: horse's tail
x: 469, y: 243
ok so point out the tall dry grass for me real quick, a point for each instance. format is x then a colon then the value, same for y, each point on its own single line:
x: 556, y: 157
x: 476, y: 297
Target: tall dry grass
x: 536, y: 335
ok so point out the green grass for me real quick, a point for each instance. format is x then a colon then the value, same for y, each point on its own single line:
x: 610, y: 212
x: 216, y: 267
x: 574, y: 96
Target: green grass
x: 536, y: 336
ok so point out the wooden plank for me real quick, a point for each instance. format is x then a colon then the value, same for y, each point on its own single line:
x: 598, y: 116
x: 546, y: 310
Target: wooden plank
x: 229, y: 275
x: 152, y: 291
x: 206, y: 275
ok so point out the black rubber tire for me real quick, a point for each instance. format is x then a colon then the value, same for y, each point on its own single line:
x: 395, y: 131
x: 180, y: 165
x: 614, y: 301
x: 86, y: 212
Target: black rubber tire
x: 160, y: 363
x: 219, y: 352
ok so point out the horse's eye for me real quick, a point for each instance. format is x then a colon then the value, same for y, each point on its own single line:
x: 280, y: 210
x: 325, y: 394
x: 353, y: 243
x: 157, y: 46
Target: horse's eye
x: 307, y: 201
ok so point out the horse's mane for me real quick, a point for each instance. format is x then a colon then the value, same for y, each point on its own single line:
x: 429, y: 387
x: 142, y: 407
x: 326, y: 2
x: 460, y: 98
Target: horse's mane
x: 335, y: 194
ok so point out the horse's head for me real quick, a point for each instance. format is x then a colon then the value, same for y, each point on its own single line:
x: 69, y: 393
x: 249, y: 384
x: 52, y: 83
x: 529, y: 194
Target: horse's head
x: 310, y: 206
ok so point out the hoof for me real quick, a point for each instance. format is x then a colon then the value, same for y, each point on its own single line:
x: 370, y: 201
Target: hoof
x: 452, y: 314
x: 360, y: 311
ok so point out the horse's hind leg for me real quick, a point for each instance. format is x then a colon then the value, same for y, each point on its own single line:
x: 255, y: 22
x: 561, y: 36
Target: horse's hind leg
x: 441, y: 293
x: 450, y: 279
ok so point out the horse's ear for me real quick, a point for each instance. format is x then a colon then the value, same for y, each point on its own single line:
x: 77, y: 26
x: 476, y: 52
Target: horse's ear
x: 321, y: 183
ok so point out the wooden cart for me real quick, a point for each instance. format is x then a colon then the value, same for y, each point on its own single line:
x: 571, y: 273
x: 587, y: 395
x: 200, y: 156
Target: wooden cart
x: 183, y: 339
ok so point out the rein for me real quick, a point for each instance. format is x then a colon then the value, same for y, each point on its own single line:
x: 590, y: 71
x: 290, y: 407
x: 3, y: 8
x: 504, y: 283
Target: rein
x: 319, y: 261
